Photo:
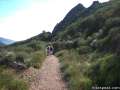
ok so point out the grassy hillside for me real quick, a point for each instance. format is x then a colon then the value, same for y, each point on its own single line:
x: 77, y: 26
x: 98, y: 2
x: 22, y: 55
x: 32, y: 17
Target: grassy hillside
x: 19, y: 56
x: 89, y: 47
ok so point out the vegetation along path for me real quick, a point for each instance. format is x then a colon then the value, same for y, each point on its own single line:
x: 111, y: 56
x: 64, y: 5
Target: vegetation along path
x: 49, y: 76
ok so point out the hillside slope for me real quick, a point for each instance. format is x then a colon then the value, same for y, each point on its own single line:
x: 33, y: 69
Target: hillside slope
x: 19, y: 56
x: 89, y: 47
x: 100, y: 24
x: 77, y: 13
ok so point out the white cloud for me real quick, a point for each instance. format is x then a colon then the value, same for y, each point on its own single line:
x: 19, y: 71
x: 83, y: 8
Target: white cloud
x: 36, y: 17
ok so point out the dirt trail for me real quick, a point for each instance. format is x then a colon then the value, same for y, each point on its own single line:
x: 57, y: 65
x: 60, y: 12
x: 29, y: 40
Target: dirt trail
x: 49, y: 76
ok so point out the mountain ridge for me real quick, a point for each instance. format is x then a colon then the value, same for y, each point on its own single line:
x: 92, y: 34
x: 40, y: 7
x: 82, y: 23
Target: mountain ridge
x: 76, y: 13
x: 71, y: 16
x: 5, y: 41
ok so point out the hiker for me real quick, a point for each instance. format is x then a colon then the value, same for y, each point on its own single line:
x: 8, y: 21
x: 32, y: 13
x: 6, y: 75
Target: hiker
x: 49, y: 50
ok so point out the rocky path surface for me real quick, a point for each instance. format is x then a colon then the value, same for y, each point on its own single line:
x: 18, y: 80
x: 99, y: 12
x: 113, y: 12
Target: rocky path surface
x: 48, y: 77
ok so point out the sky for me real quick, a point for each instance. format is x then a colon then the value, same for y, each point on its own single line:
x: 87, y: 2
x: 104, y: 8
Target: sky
x: 22, y: 19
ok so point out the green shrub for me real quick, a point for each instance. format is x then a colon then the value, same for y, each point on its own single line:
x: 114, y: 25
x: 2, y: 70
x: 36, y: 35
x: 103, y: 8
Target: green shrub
x: 80, y: 83
x: 21, y: 56
x: 18, y: 85
x: 105, y: 72
x: 9, y: 82
x: 22, y: 48
x: 35, y: 46
x: 10, y: 56
x: 74, y: 67
x: 111, y: 41
x: 36, y: 59
x: 60, y: 53
x: 84, y: 49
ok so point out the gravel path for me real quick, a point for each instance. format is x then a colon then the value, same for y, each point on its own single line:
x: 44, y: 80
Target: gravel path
x: 49, y: 76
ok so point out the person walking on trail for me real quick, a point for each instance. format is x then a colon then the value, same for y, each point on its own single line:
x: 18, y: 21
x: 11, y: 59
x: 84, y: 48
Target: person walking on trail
x: 49, y: 50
